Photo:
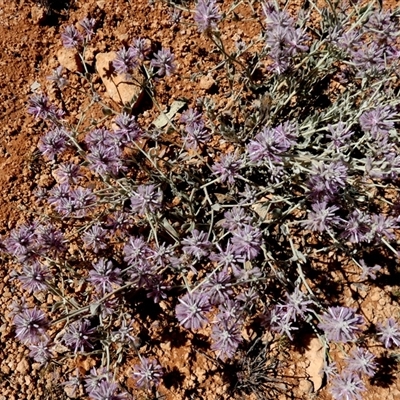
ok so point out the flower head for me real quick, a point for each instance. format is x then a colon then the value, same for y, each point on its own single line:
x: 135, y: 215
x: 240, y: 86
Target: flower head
x: 103, y: 276
x: 164, y: 62
x: 347, y: 386
x: 34, y: 277
x: 31, y: 325
x: 71, y: 37
x: 88, y: 25
x: 107, y: 390
x: 206, y: 15
x: 146, y: 199
x: 198, y: 245
x: 126, y: 60
x: 227, y: 337
x: 148, y: 373
x: 191, y: 309
x: 389, y: 333
x: 78, y: 335
x: 361, y: 361
x: 40, y: 351
x: 227, y: 169
x: 341, y: 324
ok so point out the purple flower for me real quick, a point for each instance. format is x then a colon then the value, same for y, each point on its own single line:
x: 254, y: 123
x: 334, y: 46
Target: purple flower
x: 196, y: 135
x: 271, y: 142
x: 378, y: 121
x: 103, y: 276
x: 246, y: 274
x: 142, y: 47
x: 370, y: 59
x: 142, y: 273
x: 383, y: 226
x: 246, y: 242
x: 230, y: 311
x: 227, y: 169
x: 225, y: 258
x: 296, y: 305
x: 368, y: 272
x: 50, y: 239
x: 40, y: 351
x: 107, y: 390
x: 136, y: 250
x: 96, y: 376
x: 58, y: 78
x: 357, y: 227
x: 198, y: 245
x: 349, y: 40
x: 157, y: 288
x: 279, y: 321
x: 127, y: 128
x: 191, y: 309
x: 105, y: 160
x: 59, y: 192
x: 148, y: 373
x: 83, y: 200
x: 146, y: 199
x: 347, y: 386
x: 282, y: 38
x: 190, y: 116
x: 40, y: 107
x: 206, y: 15
x: 34, y: 277
x: 68, y: 172
x: 341, y: 324
x: 235, y: 219
x: 383, y: 25
x: 88, y: 25
x: 99, y: 136
x: 164, y: 62
x: 94, y: 238
x: 218, y: 287
x: 226, y: 337
x: 78, y: 335
x: 53, y: 142
x: 126, y: 60
x: 339, y: 134
x: 71, y: 37
x: 389, y: 333
x: 31, y: 325
x: 124, y: 333
x: 21, y: 240
x: 326, y: 180
x: 361, y: 361
x: 321, y: 218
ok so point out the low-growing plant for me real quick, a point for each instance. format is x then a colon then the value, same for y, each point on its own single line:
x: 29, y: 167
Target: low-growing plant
x: 223, y: 217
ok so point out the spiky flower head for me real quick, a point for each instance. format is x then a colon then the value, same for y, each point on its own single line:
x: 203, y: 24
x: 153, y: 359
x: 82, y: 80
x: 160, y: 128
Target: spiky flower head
x: 191, y: 310
x: 163, y: 61
x: 148, y: 373
x: 389, y: 333
x: 341, y: 324
x: 347, y: 386
x: 361, y: 361
x: 31, y: 325
x: 206, y: 15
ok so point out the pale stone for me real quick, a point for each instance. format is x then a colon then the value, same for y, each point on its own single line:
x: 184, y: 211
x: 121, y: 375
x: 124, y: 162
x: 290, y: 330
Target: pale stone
x: 69, y: 59
x: 120, y: 89
x: 22, y: 367
x: 315, y: 354
x: 206, y: 82
x: 38, y: 14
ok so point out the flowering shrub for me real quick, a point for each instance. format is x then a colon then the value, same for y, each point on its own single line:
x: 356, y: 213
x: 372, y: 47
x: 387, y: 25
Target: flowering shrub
x: 221, y: 239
